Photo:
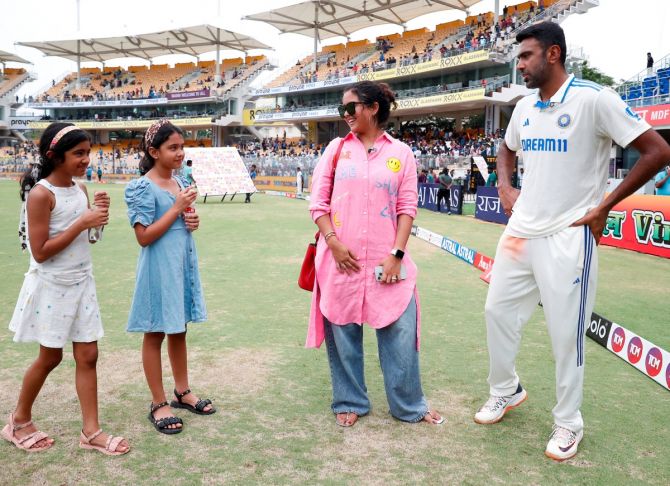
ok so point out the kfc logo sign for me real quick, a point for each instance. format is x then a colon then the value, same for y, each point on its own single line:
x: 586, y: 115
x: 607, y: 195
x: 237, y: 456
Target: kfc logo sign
x: 618, y: 340
x: 635, y: 349
x: 654, y: 362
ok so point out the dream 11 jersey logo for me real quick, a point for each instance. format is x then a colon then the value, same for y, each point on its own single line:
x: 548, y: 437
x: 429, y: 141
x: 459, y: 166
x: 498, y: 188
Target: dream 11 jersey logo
x: 635, y: 349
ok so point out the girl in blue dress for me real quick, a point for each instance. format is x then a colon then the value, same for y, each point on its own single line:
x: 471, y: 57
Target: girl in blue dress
x: 168, y: 294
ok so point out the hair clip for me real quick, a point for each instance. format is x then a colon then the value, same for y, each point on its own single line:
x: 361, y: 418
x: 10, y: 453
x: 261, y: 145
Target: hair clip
x: 153, y: 130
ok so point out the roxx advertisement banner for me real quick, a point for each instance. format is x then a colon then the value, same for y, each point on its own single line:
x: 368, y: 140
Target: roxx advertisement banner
x: 640, y: 223
x: 396, y: 72
x: 219, y: 170
x: 403, y: 104
x: 423, y: 67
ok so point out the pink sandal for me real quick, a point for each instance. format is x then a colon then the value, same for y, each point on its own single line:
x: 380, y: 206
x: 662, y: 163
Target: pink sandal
x: 25, y: 443
x: 109, y: 448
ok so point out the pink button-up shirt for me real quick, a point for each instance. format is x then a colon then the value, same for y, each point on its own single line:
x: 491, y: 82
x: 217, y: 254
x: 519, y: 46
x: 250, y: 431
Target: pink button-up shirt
x: 371, y: 190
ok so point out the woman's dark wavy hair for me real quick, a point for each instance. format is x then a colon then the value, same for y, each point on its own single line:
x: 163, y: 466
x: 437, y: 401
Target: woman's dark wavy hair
x: 47, y: 164
x: 159, y: 139
x: 370, y: 92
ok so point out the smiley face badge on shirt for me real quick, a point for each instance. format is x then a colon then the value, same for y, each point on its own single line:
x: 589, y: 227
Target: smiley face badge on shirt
x: 393, y: 164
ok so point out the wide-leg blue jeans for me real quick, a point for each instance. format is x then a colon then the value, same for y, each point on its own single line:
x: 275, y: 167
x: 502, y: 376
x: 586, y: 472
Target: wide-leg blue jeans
x: 399, y: 360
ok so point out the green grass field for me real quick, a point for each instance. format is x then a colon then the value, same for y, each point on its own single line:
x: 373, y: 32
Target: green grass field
x: 274, y: 424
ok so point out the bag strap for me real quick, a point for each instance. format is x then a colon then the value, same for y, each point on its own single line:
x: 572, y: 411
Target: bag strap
x: 336, y: 158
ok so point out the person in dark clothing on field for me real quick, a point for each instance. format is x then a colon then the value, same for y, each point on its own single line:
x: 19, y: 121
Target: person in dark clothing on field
x: 445, y: 181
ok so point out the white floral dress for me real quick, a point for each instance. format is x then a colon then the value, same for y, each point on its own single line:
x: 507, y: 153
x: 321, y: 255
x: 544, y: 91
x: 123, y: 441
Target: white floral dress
x: 58, y: 301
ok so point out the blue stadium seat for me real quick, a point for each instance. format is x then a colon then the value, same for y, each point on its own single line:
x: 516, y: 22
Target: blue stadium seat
x: 664, y: 86
x: 650, y: 82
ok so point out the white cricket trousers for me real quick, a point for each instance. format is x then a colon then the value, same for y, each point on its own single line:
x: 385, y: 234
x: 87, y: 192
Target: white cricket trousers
x: 561, y: 271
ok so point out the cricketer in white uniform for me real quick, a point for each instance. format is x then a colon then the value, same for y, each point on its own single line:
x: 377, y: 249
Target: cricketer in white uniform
x: 566, y: 141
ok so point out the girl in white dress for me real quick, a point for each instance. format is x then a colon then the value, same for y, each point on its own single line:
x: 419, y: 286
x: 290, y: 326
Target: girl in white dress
x: 57, y: 302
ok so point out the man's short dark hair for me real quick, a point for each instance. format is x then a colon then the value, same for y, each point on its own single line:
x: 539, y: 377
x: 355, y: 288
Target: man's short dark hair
x: 547, y: 34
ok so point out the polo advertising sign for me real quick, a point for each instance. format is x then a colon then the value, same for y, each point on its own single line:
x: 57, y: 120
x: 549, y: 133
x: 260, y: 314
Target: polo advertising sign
x: 599, y: 329
x: 640, y: 223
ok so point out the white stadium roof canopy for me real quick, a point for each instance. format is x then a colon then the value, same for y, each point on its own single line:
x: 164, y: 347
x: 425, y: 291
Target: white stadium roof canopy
x: 323, y: 19
x: 9, y: 57
x: 191, y: 41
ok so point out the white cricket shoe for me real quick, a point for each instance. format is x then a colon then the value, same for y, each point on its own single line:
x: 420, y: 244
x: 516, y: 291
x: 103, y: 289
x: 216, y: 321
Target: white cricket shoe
x: 495, y: 407
x: 563, y: 443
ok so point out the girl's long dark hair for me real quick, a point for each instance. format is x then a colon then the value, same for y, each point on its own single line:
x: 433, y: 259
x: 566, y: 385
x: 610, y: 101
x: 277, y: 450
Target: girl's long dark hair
x: 46, y: 164
x: 159, y: 139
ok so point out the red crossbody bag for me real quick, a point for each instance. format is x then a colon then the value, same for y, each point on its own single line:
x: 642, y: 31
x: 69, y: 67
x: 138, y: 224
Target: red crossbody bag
x: 307, y: 275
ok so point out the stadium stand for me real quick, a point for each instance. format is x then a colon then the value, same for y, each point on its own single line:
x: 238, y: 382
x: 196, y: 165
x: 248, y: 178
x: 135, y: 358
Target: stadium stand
x: 138, y: 82
x: 648, y: 89
x: 12, y: 79
x: 415, y: 46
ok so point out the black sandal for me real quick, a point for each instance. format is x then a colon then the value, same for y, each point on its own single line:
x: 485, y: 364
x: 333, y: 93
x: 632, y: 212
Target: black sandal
x: 199, y: 407
x: 163, y: 425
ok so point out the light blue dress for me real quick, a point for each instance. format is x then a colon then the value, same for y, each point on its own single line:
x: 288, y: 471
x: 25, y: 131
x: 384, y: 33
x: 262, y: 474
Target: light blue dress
x: 168, y: 294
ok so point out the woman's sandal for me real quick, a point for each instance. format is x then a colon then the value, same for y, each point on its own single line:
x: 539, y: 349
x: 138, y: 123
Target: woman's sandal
x: 26, y: 443
x: 108, y: 449
x: 347, y: 416
x: 435, y: 418
x: 199, y: 407
x: 163, y: 425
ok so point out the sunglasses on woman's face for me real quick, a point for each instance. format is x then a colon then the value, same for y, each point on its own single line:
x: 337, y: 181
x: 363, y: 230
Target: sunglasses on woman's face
x: 348, y: 108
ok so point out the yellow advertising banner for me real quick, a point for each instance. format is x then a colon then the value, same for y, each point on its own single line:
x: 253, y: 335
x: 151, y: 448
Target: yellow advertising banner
x: 437, y: 64
x: 278, y: 183
x: 128, y: 124
x: 441, y: 99
x: 249, y: 118
x: 311, y: 131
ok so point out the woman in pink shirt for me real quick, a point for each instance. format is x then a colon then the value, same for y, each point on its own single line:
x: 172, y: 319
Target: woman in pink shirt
x: 364, y: 224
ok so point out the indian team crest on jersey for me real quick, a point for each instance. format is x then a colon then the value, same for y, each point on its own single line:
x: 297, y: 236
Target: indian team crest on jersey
x: 564, y: 120
x: 393, y: 164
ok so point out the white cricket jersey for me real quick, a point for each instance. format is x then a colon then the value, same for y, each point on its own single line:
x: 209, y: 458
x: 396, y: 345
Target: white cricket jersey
x: 566, y: 144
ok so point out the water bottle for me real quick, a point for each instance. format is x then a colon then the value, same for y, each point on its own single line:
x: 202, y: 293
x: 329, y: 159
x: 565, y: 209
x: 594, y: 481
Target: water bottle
x: 95, y: 234
x: 191, y: 208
